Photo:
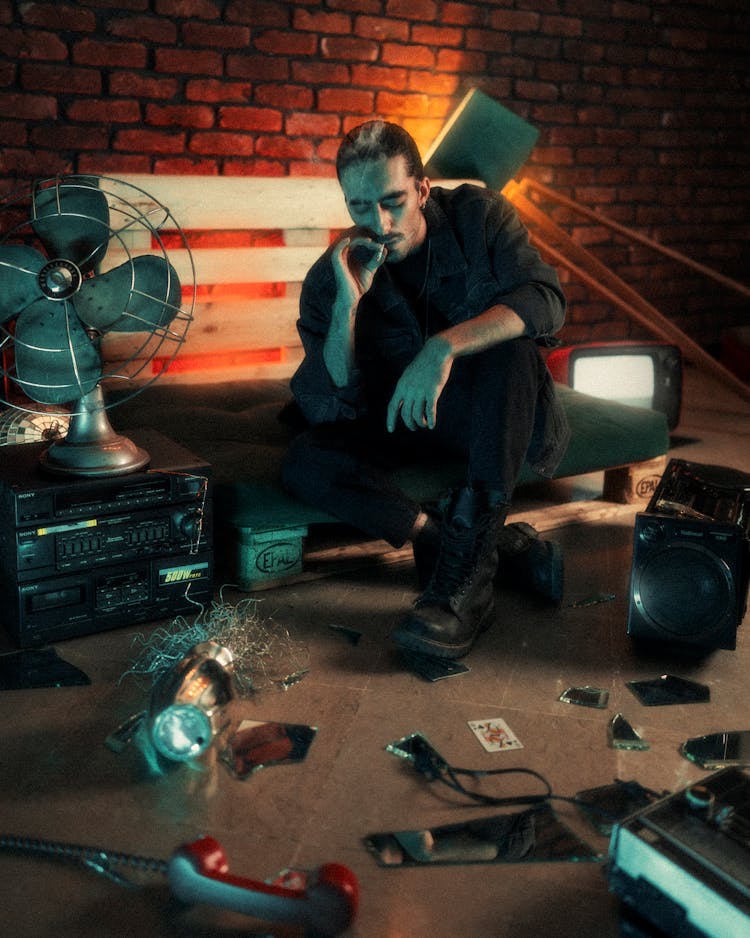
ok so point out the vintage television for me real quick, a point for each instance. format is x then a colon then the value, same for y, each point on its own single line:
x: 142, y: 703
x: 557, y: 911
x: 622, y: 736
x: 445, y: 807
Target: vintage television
x: 643, y: 374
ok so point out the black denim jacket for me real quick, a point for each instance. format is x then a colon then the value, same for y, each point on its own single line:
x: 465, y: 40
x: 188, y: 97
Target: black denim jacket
x: 480, y: 256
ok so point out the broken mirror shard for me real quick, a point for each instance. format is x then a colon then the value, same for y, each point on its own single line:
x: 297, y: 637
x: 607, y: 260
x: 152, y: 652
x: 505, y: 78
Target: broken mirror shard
x: 622, y: 735
x: 532, y: 836
x: 607, y: 805
x: 717, y: 750
x: 418, y: 750
x: 257, y: 745
x: 432, y: 669
x: 668, y: 689
x: 586, y: 697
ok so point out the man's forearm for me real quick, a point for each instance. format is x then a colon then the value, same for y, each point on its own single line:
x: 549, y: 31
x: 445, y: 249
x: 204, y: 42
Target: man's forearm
x: 495, y: 325
x: 338, y: 348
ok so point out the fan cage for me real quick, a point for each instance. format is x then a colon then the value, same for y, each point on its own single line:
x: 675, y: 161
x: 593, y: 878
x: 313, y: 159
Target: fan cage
x: 137, y: 222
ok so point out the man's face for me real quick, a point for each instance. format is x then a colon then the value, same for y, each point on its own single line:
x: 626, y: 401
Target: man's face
x: 386, y: 203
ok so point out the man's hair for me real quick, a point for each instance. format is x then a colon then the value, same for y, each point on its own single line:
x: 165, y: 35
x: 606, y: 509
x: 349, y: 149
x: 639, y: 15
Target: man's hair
x: 376, y: 139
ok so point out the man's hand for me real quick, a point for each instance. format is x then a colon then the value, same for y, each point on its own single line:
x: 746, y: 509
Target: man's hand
x: 419, y: 388
x: 355, y: 262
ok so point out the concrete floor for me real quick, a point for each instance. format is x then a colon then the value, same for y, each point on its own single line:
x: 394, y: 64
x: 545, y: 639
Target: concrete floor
x: 59, y: 782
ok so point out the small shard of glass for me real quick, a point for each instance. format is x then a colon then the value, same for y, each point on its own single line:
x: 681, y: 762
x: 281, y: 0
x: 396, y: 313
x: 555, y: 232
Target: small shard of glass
x: 622, y: 735
x: 586, y: 696
x: 418, y: 750
x: 592, y: 600
x: 257, y: 745
x: 532, y: 836
x: 433, y: 669
x: 606, y: 805
x: 717, y: 750
x: 351, y: 635
x: 667, y: 690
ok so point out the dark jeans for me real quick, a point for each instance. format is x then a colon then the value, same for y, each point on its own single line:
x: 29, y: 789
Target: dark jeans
x: 485, y: 414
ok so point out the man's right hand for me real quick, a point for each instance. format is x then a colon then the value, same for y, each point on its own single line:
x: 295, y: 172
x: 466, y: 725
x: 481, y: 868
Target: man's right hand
x: 356, y: 260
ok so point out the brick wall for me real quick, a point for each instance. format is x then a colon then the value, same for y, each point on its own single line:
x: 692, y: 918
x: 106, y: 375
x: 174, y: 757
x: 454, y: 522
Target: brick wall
x: 642, y: 108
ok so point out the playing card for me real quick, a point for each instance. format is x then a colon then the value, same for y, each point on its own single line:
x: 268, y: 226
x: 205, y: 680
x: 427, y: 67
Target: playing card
x: 495, y: 735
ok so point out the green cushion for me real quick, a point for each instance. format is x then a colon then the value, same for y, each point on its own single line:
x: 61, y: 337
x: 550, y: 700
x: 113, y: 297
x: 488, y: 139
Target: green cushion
x: 235, y: 427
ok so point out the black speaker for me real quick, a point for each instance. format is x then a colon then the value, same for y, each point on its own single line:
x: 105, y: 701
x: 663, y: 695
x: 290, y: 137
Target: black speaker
x: 689, y: 577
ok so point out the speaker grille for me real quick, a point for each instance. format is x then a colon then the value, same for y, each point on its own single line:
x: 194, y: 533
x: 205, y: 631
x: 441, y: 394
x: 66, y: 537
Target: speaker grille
x: 684, y: 590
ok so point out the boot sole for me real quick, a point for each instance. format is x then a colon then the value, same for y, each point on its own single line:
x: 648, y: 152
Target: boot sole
x: 424, y: 646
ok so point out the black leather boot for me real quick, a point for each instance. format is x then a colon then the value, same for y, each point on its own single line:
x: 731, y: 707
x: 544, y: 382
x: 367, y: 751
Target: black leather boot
x: 529, y: 563
x: 459, y: 600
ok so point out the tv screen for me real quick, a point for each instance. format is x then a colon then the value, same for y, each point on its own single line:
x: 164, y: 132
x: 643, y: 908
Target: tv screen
x: 641, y: 375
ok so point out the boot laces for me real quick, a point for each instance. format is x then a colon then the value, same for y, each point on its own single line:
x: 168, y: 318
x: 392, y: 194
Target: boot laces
x: 455, y: 564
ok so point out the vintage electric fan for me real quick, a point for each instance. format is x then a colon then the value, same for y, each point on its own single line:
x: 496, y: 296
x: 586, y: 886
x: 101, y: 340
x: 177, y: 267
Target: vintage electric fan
x: 89, y: 303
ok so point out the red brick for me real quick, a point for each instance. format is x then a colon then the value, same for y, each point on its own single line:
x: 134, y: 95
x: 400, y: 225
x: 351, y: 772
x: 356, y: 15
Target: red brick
x: 561, y: 26
x: 356, y: 6
x: 377, y: 76
x: 186, y: 167
x: 213, y: 90
x: 287, y: 97
x: 322, y: 73
x: 188, y: 62
x: 13, y: 133
x: 32, y: 44
x: 312, y: 125
x: 258, y: 13
x: 349, y: 49
x: 253, y: 168
x: 70, y: 137
x: 514, y: 21
x: 141, y: 86
x: 436, y: 83
x: 536, y: 90
x: 144, y: 28
x: 218, y: 143
x: 118, y: 5
x: 463, y: 14
x: 380, y: 28
x: 280, y: 42
x: 345, y: 101
x: 200, y: 9
x: 487, y: 40
x: 249, y: 118
x: 19, y: 164
x: 451, y: 60
x: 215, y: 37
x: 62, y: 79
x: 108, y: 54
x: 321, y: 22
x: 42, y: 14
x: 258, y: 67
x: 179, y: 115
x: 409, y: 55
x: 149, y: 141
x: 436, y: 35
x: 322, y: 170
x: 284, y: 147
x: 94, y: 110
x: 28, y: 106
x: 412, y: 105
x: 413, y: 9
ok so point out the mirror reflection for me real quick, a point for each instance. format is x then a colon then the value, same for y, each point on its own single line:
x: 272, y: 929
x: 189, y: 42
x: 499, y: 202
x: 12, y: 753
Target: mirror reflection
x: 719, y: 749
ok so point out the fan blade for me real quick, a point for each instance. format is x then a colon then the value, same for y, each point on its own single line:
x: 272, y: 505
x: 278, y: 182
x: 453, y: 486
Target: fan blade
x: 71, y: 218
x: 141, y: 295
x: 56, y: 362
x: 19, y: 286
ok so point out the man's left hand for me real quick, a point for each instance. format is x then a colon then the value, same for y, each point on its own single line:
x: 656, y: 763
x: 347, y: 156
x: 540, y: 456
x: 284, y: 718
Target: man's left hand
x: 418, y: 390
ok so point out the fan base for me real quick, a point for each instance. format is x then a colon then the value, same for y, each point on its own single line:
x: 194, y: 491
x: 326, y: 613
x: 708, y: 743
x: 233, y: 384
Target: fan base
x: 117, y: 455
